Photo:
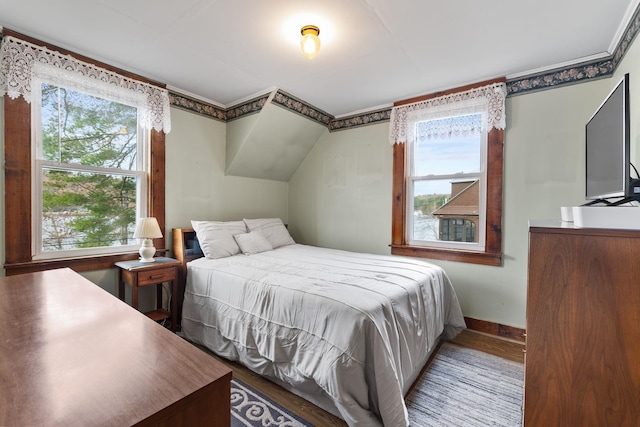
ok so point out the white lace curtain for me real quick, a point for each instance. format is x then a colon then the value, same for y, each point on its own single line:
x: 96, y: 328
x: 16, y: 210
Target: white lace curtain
x: 23, y: 63
x: 450, y: 116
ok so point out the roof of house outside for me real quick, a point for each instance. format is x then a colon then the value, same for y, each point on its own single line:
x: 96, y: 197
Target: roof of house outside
x: 465, y: 200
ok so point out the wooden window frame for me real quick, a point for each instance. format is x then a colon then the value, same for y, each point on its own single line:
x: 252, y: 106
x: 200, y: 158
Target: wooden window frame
x: 17, y: 185
x: 492, y: 255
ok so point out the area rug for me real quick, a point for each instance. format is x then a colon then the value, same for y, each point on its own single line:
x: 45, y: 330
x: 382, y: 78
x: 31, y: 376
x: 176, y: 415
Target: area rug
x: 251, y: 408
x: 460, y: 388
x: 467, y: 388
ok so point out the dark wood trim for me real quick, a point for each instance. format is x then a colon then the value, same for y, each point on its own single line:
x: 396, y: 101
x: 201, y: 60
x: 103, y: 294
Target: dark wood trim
x: 472, y: 257
x: 88, y: 263
x: 398, y: 204
x: 450, y: 91
x: 17, y: 179
x: 495, y: 175
x: 18, y: 162
x: 125, y: 73
x: 157, y: 181
x: 76, y: 264
x: 492, y: 254
x: 491, y: 328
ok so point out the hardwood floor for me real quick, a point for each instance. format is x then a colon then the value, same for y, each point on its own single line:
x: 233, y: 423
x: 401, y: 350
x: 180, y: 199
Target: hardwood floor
x: 507, y: 349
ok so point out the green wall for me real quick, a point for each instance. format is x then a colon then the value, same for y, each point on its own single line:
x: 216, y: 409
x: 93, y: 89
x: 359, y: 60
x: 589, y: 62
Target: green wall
x: 197, y: 187
x: 340, y: 196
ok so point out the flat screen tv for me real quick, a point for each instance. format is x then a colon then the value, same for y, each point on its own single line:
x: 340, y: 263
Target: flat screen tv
x: 608, y: 150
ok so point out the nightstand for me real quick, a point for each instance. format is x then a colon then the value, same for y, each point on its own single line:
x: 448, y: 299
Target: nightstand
x: 137, y: 274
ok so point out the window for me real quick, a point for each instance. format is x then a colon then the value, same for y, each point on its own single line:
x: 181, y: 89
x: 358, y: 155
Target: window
x: 73, y: 160
x: 445, y: 179
x: 458, y: 230
x: 447, y: 200
x: 90, y: 177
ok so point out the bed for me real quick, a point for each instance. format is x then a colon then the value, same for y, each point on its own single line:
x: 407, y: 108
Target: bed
x: 350, y: 332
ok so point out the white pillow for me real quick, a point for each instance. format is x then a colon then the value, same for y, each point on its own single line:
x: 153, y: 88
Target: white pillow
x: 273, y: 229
x: 253, y: 242
x: 216, y: 237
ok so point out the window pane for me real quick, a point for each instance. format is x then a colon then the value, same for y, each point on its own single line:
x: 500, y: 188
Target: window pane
x: 444, y: 210
x: 79, y: 128
x: 445, y: 156
x: 471, y: 231
x: 84, y: 210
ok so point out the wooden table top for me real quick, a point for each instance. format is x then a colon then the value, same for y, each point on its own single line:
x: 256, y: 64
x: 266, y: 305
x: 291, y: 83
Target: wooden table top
x: 138, y: 265
x: 73, y: 354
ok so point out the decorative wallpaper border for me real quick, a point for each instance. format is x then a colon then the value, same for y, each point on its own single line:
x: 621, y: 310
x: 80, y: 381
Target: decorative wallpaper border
x: 196, y: 106
x: 559, y: 77
x: 249, y: 107
x: 629, y: 34
x: 357, y: 120
x: 290, y: 102
x: 575, y: 74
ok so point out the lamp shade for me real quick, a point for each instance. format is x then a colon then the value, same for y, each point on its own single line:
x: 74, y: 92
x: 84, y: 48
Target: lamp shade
x: 147, y: 228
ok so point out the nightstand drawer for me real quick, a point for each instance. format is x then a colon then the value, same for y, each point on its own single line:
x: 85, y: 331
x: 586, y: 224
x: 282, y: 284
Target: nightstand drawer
x: 156, y: 276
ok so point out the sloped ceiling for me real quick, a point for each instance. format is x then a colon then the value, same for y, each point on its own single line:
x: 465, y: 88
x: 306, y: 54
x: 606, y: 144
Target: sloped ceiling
x: 270, y: 143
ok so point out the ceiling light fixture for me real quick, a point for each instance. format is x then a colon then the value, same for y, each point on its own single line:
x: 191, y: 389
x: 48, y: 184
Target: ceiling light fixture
x: 310, y: 43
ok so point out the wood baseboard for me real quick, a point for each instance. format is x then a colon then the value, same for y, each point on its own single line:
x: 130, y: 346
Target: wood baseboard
x: 502, y: 331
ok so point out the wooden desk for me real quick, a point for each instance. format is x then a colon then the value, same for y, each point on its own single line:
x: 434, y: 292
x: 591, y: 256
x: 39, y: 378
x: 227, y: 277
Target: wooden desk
x: 72, y: 354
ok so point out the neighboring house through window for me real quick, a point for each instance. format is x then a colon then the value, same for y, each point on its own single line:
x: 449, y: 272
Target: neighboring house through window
x: 458, y: 217
x: 447, y: 200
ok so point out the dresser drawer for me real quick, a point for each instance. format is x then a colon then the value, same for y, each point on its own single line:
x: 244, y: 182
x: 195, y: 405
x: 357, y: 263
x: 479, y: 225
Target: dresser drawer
x: 154, y: 277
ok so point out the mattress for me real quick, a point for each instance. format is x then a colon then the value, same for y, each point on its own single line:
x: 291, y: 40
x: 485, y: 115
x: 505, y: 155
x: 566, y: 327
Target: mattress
x: 347, y: 331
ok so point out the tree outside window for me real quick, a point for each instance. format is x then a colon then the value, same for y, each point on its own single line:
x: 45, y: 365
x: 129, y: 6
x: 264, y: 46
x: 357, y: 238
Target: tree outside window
x: 31, y: 62
x: 91, y: 171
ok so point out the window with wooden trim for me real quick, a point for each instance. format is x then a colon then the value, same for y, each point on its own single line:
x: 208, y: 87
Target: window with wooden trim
x: 44, y: 167
x: 90, y: 174
x: 447, y: 182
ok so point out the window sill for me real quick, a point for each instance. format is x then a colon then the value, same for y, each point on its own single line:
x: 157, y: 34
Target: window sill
x: 88, y: 263
x: 483, y: 258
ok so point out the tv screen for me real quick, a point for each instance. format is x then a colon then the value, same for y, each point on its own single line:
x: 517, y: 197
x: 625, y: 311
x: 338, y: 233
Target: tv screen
x: 608, y: 146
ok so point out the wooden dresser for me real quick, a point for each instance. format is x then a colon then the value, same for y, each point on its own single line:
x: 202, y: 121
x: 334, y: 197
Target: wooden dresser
x: 72, y: 354
x: 582, y: 364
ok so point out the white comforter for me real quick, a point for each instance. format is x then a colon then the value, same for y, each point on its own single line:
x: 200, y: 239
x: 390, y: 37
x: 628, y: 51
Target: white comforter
x: 348, y: 331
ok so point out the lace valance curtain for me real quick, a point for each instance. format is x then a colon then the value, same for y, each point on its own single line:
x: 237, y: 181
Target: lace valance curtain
x: 23, y: 63
x: 455, y: 115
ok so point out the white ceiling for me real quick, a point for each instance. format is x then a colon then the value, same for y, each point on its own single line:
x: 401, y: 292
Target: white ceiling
x: 374, y: 52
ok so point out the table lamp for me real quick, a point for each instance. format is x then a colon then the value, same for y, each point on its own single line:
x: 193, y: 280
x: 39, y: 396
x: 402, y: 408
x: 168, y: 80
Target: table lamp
x: 146, y: 230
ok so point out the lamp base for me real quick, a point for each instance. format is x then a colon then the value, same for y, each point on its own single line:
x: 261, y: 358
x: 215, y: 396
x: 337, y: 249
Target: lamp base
x: 147, y: 251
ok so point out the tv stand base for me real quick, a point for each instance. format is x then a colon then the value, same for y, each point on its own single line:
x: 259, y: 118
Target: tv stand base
x: 610, y: 216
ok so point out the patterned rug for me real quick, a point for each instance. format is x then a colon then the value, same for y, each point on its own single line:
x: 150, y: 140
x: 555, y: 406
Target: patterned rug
x: 251, y: 408
x: 461, y: 388
x: 467, y: 388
